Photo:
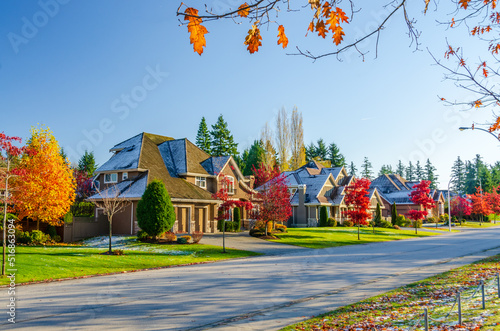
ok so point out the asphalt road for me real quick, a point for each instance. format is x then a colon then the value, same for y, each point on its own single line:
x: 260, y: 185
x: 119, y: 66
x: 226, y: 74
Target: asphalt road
x: 260, y: 293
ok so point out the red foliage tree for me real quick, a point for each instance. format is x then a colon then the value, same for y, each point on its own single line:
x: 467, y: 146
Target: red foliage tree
x: 358, y: 202
x: 273, y: 196
x: 83, y: 184
x: 8, y: 154
x: 224, y: 212
x: 460, y: 207
x: 494, y: 199
x: 420, y: 196
x: 481, y: 205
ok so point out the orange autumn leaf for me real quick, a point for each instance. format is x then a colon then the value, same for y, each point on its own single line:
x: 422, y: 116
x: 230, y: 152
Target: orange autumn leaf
x: 426, y: 5
x: 310, y: 28
x: 477, y: 103
x: 462, y: 62
x: 321, y: 29
x: 485, y: 72
x: 243, y: 10
x: 452, y: 22
x: 253, y: 39
x: 464, y: 3
x: 341, y: 15
x: 196, y: 30
x: 495, y: 126
x: 338, y: 34
x: 282, y: 39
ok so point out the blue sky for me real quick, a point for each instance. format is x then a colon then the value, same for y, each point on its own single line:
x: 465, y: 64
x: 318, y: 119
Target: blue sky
x: 75, y: 70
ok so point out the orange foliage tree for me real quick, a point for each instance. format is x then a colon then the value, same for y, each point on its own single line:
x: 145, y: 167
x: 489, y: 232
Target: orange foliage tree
x: 480, y: 19
x: 45, y: 186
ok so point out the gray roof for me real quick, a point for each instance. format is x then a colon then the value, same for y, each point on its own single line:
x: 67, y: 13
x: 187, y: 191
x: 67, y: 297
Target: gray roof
x: 126, y: 158
x: 214, y: 164
x: 334, y: 171
x: 173, y: 153
x: 128, y: 189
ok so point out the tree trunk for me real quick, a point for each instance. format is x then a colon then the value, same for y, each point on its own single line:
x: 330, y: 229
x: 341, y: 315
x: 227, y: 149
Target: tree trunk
x: 358, y: 232
x: 110, y: 220
x: 38, y: 225
x: 6, y: 193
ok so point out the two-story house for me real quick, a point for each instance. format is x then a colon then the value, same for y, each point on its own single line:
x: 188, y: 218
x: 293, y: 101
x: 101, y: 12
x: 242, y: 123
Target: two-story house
x: 190, y: 175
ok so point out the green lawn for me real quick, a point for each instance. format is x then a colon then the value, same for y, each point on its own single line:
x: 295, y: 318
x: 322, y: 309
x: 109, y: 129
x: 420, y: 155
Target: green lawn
x: 38, y: 263
x: 483, y: 225
x: 401, y: 308
x: 340, y: 236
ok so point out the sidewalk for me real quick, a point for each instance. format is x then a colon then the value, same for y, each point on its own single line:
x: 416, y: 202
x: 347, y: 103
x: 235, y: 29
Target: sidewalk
x: 243, y: 241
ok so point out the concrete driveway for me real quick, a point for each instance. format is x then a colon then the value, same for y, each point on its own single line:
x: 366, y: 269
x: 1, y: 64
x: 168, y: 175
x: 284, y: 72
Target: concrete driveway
x: 260, y: 293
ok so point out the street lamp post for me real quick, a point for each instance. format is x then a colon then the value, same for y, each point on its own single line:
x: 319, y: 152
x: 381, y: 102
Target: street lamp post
x: 449, y: 209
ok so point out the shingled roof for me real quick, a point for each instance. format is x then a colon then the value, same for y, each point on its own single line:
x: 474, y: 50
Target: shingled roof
x: 161, y: 158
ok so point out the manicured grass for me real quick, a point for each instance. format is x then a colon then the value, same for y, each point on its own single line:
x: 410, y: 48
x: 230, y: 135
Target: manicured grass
x: 38, y: 263
x: 340, y: 236
x: 476, y: 224
x: 400, y: 309
x: 441, y: 228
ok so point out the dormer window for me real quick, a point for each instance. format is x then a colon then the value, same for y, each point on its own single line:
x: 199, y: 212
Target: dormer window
x: 125, y: 176
x: 110, y: 178
x: 201, y: 182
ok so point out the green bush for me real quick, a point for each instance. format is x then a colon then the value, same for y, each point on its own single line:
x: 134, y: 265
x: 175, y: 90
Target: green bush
x: 37, y: 237
x: 82, y: 209
x: 280, y: 227
x: 155, y: 212
x: 142, y: 235
x: 331, y: 222
x: 68, y: 218
x: 182, y: 240
x: 256, y: 232
x: 417, y: 224
x: 51, y: 231
x: 237, y: 219
x: 378, y: 216
x: 348, y: 223
x: 432, y: 219
x: 444, y: 218
x: 323, y: 216
x: 385, y: 224
x: 394, y: 214
x: 401, y: 221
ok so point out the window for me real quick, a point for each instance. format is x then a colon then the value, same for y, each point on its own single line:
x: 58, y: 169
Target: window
x: 110, y: 178
x: 230, y: 189
x: 201, y: 182
x: 125, y: 176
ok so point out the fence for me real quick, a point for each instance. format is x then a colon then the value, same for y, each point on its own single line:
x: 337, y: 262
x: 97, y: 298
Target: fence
x: 465, y: 305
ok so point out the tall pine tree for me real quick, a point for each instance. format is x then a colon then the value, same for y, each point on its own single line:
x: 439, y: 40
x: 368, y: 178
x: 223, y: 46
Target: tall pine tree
x: 336, y: 158
x: 203, y: 137
x: 471, y: 181
x: 419, y: 172
x: 410, y: 172
x: 222, y: 141
x: 385, y: 170
x: 430, y: 174
x: 255, y: 157
x: 87, y: 163
x: 366, y: 169
x: 352, y: 169
x: 400, y: 169
x: 321, y: 150
x: 458, y: 175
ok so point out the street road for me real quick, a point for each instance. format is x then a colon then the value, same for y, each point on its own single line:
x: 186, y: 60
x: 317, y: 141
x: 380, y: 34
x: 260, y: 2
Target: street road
x: 260, y: 293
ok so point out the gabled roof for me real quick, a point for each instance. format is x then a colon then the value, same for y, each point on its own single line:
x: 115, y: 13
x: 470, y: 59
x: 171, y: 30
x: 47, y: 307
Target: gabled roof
x: 214, y: 165
x: 132, y: 189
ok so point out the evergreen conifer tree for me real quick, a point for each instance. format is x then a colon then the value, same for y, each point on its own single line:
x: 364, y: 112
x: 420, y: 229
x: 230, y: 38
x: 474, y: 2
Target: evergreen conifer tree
x: 155, y: 212
x: 430, y: 175
x: 255, y: 157
x: 471, y: 181
x: 394, y: 214
x: 419, y: 172
x: 336, y: 158
x: 321, y: 150
x: 366, y: 169
x: 400, y: 169
x: 87, y: 163
x: 410, y: 172
x: 203, y: 137
x: 352, y: 169
x: 458, y: 175
x: 385, y: 169
x: 222, y: 141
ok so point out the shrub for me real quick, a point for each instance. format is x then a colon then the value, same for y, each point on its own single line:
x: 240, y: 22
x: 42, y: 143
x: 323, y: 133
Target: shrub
x: 197, y: 235
x: 237, y: 219
x: 51, y: 231
x: 385, y: 224
x: 23, y: 237
x: 431, y: 219
x: 82, y: 209
x: 281, y: 227
x: 396, y: 227
x: 256, y: 232
x: 56, y: 238
x: 348, y: 223
x: 323, y: 216
x: 169, y: 236
x: 444, y: 218
x: 68, y: 218
x: 183, y: 239
x: 38, y: 237
x: 417, y: 224
x: 378, y: 216
x: 331, y: 222
x: 155, y: 212
x: 142, y: 235
x: 394, y: 214
x: 401, y: 221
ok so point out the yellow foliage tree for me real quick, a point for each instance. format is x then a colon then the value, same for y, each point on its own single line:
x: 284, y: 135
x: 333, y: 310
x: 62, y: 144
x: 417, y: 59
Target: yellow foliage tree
x: 45, y: 187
